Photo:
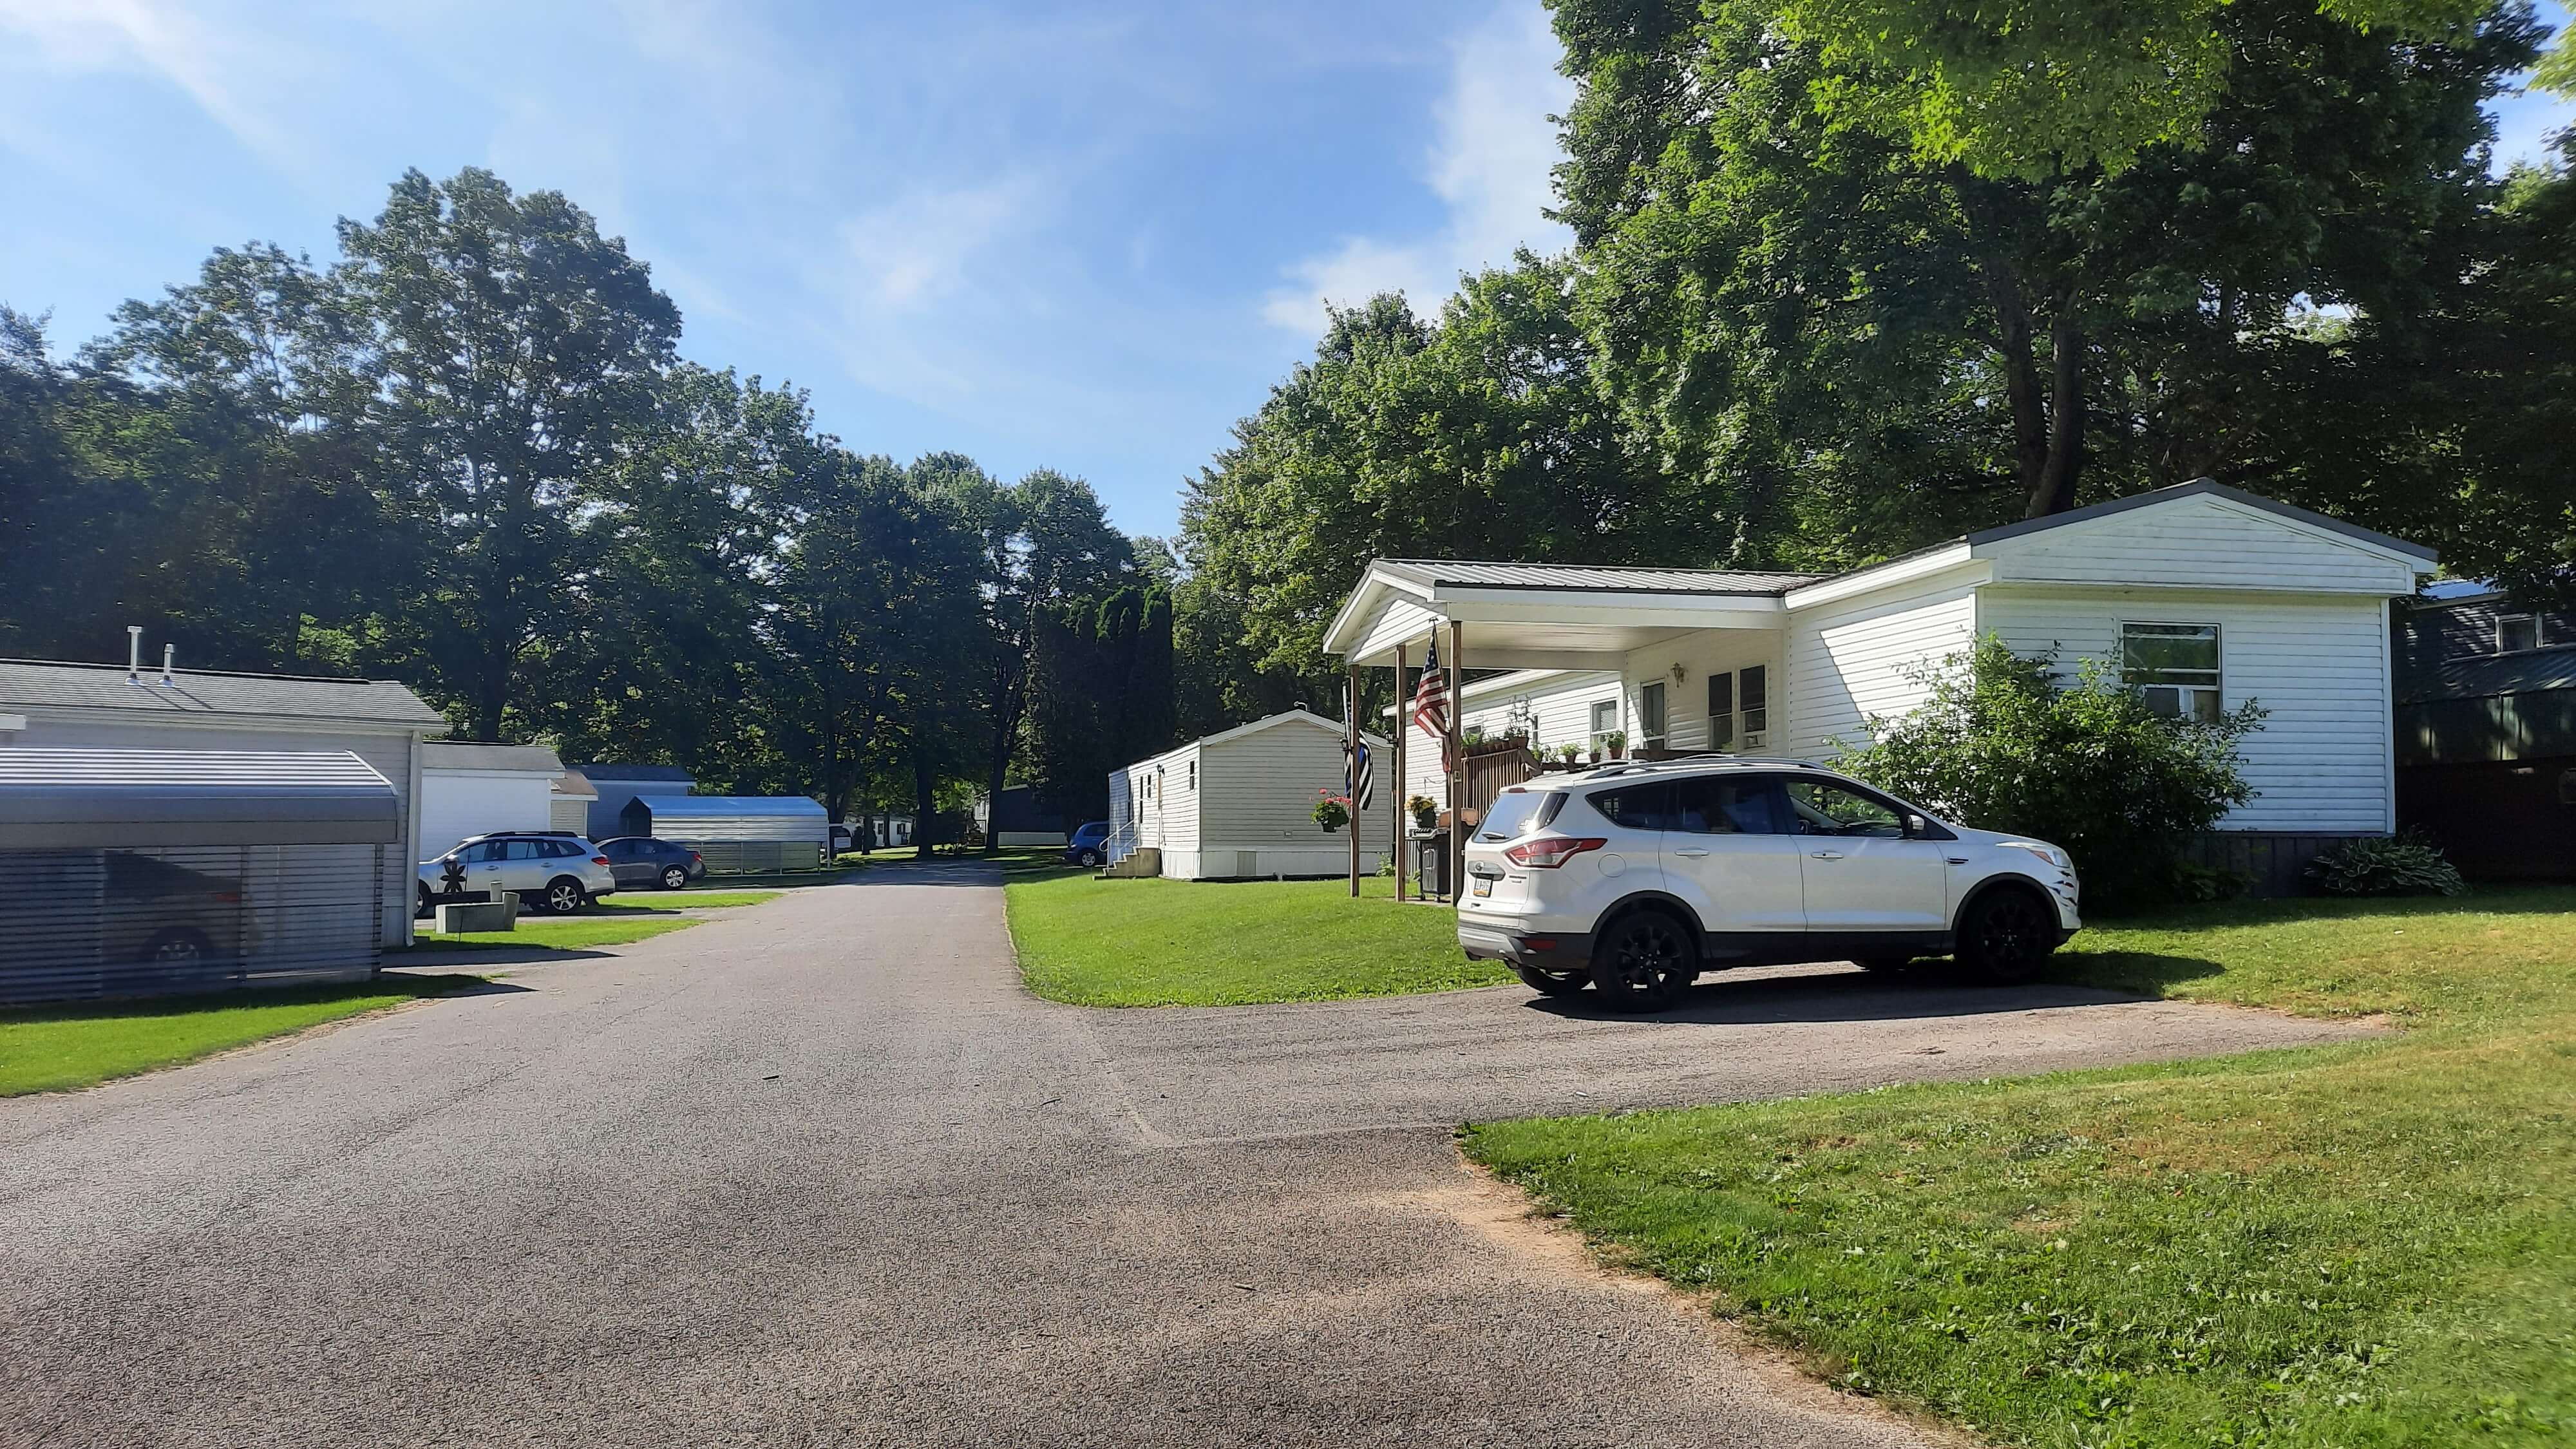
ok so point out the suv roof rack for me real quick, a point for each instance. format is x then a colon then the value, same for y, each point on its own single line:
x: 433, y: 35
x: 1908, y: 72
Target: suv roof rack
x: 1640, y: 767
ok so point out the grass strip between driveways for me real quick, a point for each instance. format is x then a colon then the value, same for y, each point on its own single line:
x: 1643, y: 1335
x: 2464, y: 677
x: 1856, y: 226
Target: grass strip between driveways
x: 1157, y: 942
x: 2366, y: 1244
x: 57, y: 1048
x: 607, y: 923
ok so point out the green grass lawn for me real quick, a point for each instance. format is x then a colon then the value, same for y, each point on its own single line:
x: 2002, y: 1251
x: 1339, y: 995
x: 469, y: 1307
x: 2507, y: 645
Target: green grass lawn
x: 56, y: 1048
x: 613, y: 922
x: 665, y: 903
x: 1217, y: 943
x: 2371, y: 1244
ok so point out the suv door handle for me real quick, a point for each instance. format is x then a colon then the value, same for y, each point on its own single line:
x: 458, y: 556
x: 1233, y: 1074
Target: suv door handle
x: 1828, y: 855
x: 1693, y: 852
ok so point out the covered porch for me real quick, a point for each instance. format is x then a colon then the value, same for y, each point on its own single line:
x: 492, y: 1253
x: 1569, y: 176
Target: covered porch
x: 1489, y: 616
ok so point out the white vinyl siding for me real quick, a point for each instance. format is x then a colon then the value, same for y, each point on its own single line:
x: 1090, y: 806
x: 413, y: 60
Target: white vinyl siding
x: 391, y: 755
x: 1252, y: 808
x: 2202, y: 542
x: 1854, y: 659
x: 2319, y: 664
x: 1700, y: 654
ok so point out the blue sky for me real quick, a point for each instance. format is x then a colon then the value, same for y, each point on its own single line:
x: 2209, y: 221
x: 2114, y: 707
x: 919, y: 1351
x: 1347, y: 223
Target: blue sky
x: 1087, y: 238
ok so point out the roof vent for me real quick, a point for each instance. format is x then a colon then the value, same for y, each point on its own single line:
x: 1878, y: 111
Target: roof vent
x: 134, y: 654
x: 167, y: 651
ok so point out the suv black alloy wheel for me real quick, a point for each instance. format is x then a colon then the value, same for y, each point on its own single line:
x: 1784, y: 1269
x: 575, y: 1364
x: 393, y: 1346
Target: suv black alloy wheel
x: 1643, y: 962
x: 2006, y: 936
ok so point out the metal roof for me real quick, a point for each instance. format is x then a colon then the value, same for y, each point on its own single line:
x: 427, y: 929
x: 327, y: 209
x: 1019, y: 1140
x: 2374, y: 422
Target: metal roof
x: 50, y: 684
x: 702, y: 807
x: 573, y: 785
x: 2485, y: 676
x: 622, y: 774
x: 86, y: 799
x: 527, y: 759
x: 1473, y: 574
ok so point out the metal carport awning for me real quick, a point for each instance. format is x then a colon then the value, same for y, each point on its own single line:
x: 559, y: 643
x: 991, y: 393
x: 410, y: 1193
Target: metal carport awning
x: 89, y: 799
x: 1547, y: 616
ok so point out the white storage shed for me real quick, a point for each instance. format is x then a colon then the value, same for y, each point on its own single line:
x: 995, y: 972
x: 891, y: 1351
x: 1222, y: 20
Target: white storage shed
x: 1240, y: 805
x: 469, y: 790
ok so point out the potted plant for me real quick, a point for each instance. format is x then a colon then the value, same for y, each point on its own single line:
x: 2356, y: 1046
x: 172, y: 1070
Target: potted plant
x: 1614, y: 744
x: 1568, y: 753
x: 1332, y: 812
x: 1425, y: 812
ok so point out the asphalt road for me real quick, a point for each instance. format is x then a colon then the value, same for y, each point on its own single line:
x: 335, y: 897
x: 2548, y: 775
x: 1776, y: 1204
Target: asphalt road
x: 821, y: 1173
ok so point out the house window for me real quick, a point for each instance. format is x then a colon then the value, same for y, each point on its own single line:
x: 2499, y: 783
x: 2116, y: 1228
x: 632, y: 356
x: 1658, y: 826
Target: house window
x: 1739, y: 706
x: 1650, y: 715
x: 1194, y: 774
x: 2517, y: 632
x: 2174, y: 667
x: 1605, y: 718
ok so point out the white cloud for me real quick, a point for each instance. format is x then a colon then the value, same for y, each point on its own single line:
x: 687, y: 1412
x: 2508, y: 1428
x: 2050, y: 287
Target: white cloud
x: 227, y: 70
x: 1489, y: 165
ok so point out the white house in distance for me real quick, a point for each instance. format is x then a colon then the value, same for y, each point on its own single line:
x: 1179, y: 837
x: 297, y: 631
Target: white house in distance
x: 1241, y: 804
x: 2203, y: 595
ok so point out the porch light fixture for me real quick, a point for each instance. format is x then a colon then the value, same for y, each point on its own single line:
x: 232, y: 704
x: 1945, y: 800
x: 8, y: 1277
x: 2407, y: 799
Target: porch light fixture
x: 1678, y: 675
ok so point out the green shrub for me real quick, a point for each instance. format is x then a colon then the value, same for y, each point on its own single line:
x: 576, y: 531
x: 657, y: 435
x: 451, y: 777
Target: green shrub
x: 2001, y: 744
x: 2405, y: 865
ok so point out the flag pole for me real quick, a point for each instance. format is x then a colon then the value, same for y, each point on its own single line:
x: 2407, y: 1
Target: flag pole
x: 1351, y: 770
x: 1395, y: 769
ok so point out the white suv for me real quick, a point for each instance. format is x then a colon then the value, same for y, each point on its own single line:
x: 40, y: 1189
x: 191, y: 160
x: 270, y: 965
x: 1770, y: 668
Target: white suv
x: 548, y: 870
x: 1636, y: 878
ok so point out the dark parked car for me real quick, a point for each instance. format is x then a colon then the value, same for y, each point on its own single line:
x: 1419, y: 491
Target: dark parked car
x: 1089, y: 847
x: 170, y: 926
x: 640, y: 860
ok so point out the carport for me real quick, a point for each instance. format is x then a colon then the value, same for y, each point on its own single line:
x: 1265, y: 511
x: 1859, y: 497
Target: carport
x: 737, y: 834
x: 130, y: 872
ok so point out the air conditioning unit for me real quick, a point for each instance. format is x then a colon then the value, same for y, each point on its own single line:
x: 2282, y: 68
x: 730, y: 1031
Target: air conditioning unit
x: 1753, y: 742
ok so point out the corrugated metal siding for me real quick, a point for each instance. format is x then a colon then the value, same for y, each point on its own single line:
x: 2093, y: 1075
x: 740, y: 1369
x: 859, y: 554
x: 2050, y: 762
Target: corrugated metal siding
x: 759, y: 857
x: 389, y: 755
x: 77, y: 924
x: 1579, y: 576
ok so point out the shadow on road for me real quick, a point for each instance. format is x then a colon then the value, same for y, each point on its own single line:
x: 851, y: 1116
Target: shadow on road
x: 1839, y: 993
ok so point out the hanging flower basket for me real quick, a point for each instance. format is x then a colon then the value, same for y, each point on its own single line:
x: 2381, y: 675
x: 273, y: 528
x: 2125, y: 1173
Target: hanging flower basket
x: 1332, y: 812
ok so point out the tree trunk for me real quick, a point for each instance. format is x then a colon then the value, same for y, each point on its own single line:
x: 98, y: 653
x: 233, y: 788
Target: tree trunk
x: 2013, y: 329
x: 1008, y: 701
x: 922, y: 805
x: 2055, y: 492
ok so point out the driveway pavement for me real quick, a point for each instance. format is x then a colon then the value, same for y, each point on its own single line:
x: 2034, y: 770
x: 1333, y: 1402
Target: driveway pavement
x: 821, y: 1173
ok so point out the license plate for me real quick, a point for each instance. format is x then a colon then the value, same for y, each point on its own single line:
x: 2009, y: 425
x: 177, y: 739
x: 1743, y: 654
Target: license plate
x: 1483, y: 886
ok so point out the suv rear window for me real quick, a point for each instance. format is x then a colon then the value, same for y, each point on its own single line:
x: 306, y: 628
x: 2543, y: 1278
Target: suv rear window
x: 1518, y: 812
x: 1639, y: 807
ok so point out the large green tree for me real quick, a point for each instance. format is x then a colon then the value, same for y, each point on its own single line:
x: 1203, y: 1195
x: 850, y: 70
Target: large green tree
x: 507, y: 345
x: 1848, y: 346
x: 1480, y: 436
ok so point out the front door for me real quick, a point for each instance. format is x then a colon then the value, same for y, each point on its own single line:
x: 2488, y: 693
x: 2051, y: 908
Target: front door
x: 1725, y: 844
x: 1861, y: 872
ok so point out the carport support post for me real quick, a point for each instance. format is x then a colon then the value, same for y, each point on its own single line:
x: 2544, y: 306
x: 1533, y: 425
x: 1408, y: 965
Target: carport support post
x: 1457, y: 759
x: 1395, y: 768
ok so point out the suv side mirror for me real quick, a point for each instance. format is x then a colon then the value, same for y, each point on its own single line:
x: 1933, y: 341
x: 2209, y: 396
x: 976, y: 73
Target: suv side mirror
x: 1916, y: 827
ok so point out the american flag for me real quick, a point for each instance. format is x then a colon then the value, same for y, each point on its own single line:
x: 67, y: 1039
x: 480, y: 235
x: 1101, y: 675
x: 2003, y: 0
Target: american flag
x: 1431, y: 703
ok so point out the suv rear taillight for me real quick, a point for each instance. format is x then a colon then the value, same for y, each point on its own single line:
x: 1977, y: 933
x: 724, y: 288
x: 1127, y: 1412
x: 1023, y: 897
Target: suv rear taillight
x: 1550, y: 851
x: 599, y: 860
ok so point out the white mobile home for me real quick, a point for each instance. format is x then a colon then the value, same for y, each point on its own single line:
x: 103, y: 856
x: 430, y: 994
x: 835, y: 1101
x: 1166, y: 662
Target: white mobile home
x: 1550, y: 707
x: 49, y: 705
x: 2201, y: 595
x: 1241, y: 804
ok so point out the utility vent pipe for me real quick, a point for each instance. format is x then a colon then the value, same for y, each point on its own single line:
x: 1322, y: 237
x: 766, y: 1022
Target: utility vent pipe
x: 134, y: 654
x: 167, y: 651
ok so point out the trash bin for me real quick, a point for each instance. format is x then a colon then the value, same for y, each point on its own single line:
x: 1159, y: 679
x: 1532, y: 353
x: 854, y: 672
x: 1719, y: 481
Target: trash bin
x: 1431, y: 860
